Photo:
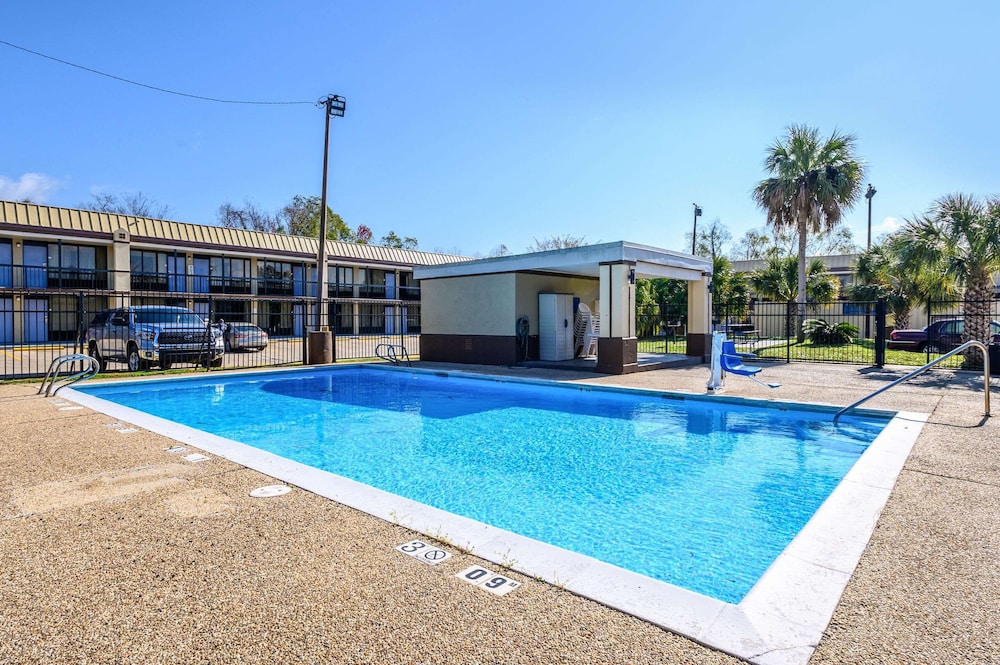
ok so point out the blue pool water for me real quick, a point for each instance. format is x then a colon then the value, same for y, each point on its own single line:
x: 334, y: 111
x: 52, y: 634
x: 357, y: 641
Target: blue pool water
x: 700, y: 493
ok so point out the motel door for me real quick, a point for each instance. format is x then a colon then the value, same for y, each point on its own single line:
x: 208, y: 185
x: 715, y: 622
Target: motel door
x: 6, y: 265
x: 6, y: 320
x: 201, y: 270
x: 298, y: 320
x: 176, y: 276
x: 36, y: 320
x: 200, y: 307
x: 36, y: 261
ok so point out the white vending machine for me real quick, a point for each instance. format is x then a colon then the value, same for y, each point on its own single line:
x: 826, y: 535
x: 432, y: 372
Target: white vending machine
x: 555, y: 326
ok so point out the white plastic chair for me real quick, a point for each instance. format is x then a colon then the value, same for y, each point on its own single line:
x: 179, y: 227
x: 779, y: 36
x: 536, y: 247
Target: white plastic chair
x: 586, y: 331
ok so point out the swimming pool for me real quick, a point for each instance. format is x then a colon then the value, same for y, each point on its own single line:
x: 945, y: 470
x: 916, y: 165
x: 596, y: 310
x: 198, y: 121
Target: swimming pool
x: 703, y: 494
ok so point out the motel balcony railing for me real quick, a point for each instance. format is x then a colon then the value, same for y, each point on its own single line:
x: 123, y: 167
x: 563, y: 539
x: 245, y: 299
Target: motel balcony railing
x: 14, y: 276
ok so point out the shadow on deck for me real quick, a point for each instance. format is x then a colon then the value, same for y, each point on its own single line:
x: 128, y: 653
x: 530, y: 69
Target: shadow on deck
x: 646, y: 362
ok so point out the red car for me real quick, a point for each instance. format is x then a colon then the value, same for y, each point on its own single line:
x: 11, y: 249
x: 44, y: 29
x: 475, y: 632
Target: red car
x: 939, y: 337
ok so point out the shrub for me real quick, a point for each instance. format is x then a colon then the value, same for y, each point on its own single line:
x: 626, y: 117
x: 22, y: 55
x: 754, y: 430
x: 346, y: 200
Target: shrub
x: 820, y: 331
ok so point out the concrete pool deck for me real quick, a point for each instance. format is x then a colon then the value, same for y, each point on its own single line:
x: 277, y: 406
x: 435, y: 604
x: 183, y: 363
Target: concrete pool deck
x: 116, y: 551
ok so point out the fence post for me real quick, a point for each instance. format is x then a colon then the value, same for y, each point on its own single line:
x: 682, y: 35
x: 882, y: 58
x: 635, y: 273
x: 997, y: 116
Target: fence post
x: 305, y: 331
x: 789, y: 328
x: 81, y: 325
x: 880, y: 324
x: 330, y: 306
x: 927, y: 348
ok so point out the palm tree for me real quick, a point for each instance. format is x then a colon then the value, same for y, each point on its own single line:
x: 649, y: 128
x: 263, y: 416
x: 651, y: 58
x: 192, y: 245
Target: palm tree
x: 880, y: 273
x: 959, y: 238
x: 730, y: 289
x: 812, y: 183
x: 778, y: 281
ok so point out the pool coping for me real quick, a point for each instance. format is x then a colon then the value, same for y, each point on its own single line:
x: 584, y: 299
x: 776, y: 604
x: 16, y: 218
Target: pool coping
x: 779, y: 622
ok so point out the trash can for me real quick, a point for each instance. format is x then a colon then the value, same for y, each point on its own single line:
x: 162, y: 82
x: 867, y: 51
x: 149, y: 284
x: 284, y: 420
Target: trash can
x: 994, y: 359
x: 320, y: 351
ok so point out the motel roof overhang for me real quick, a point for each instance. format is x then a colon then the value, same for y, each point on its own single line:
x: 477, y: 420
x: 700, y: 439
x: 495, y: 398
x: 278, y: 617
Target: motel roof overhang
x: 584, y: 261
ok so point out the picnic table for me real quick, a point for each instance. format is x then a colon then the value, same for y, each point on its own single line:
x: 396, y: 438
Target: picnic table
x: 743, y: 333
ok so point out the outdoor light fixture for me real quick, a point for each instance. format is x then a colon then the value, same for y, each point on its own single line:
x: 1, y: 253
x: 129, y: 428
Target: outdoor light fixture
x: 869, y: 195
x: 694, y: 232
x: 334, y: 105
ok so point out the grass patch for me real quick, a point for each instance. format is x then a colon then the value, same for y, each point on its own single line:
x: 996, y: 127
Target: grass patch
x: 861, y: 351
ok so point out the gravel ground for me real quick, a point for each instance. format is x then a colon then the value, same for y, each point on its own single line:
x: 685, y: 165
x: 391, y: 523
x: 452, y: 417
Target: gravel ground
x: 114, y: 551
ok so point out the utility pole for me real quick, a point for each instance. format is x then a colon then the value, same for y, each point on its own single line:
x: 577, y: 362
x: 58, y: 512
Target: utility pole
x: 333, y: 105
x: 869, y: 195
x: 694, y: 231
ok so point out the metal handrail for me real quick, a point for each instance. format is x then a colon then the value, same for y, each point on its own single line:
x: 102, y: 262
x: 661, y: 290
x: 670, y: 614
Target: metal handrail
x: 921, y: 370
x: 56, y: 365
x: 390, y: 354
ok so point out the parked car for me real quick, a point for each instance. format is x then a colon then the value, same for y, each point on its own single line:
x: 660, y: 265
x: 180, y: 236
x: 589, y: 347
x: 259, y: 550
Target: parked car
x: 246, y: 337
x: 938, y: 337
x: 147, y: 335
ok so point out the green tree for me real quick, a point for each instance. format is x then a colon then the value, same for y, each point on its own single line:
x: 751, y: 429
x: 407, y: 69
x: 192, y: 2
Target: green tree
x: 778, y: 281
x: 959, y: 238
x: 812, y: 183
x: 393, y: 240
x: 880, y: 272
x: 729, y: 288
x: 302, y: 219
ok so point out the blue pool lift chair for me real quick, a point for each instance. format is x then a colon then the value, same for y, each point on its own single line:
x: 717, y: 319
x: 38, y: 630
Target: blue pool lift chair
x: 732, y: 362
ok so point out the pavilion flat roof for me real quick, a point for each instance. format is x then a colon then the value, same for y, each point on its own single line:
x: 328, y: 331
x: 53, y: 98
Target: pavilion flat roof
x: 583, y: 261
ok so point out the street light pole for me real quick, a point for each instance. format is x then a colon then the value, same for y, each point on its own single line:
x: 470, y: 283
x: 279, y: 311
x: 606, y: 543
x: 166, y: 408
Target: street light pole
x: 333, y: 105
x: 869, y: 195
x: 694, y: 231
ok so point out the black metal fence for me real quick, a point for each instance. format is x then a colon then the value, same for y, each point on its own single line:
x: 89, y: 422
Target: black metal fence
x: 263, y: 330
x: 837, y: 332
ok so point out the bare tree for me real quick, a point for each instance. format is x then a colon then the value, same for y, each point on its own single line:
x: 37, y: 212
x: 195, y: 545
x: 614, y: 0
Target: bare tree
x: 555, y: 242
x: 249, y: 217
x: 135, y: 204
x: 711, y: 239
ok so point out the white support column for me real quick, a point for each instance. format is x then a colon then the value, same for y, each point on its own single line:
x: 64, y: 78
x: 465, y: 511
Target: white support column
x: 120, y: 261
x: 699, y: 317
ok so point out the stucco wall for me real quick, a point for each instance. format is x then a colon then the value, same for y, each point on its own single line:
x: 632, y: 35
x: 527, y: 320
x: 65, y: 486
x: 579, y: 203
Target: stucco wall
x: 474, y: 305
x: 529, y: 285
x: 491, y: 304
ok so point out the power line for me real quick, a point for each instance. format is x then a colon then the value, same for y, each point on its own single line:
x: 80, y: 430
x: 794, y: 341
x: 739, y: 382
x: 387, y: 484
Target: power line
x: 144, y: 85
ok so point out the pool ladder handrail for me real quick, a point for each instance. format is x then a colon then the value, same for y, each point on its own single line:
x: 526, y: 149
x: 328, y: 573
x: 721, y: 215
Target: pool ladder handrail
x: 920, y: 370
x: 93, y: 367
x: 389, y: 355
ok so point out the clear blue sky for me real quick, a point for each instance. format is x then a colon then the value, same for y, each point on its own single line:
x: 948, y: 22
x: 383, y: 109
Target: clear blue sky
x: 471, y: 124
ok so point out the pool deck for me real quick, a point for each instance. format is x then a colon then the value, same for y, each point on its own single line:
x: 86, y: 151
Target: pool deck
x: 115, y: 551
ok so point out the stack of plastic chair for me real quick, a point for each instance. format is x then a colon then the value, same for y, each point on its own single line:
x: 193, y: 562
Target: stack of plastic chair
x: 586, y: 331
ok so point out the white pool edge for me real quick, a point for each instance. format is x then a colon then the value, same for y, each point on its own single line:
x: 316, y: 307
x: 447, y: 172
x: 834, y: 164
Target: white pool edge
x: 779, y: 622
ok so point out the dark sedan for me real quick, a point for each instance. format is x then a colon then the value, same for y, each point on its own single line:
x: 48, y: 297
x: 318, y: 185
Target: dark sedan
x: 939, y: 337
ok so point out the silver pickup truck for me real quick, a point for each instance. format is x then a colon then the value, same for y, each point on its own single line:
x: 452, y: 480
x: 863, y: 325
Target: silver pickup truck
x: 153, y: 335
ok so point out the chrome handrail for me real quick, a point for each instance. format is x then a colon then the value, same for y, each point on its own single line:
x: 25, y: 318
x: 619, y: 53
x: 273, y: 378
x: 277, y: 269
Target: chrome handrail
x: 390, y: 353
x: 56, y: 365
x: 921, y: 370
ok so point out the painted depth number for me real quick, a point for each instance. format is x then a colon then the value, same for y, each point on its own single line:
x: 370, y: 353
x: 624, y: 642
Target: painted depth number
x: 421, y: 551
x: 496, y: 584
x: 485, y: 579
